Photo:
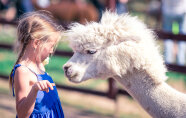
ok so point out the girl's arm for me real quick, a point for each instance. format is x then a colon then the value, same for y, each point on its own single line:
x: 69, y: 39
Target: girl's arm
x: 26, y: 88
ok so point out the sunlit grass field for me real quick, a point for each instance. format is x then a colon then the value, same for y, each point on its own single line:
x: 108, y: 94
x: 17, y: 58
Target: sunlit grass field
x: 54, y: 68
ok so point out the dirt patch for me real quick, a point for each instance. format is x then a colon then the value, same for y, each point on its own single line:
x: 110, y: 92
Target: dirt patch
x: 80, y: 105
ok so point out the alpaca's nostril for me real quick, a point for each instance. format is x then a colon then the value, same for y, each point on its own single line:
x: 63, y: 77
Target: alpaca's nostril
x: 66, y: 68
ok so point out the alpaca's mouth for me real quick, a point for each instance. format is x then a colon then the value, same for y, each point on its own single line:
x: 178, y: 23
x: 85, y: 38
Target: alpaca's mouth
x: 73, y: 78
x: 70, y: 76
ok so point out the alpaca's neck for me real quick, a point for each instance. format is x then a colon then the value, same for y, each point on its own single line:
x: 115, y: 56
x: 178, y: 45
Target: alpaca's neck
x: 157, y: 98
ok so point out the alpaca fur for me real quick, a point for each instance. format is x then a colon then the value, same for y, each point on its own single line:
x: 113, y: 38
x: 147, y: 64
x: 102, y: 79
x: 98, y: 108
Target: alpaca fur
x: 122, y: 47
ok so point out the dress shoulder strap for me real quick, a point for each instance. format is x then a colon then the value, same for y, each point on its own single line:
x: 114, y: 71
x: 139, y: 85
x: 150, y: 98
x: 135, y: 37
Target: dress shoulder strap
x: 12, y: 76
x: 30, y: 70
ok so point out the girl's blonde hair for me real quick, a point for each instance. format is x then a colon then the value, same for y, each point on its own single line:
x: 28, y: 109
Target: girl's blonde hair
x: 37, y: 25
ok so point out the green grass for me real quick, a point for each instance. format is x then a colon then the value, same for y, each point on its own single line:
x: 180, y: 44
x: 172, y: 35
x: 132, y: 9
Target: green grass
x: 7, y: 36
x: 8, y: 58
x: 176, y: 76
x: 63, y: 46
x: 54, y: 68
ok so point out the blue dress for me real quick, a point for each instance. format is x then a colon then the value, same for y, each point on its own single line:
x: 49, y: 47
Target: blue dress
x: 47, y: 105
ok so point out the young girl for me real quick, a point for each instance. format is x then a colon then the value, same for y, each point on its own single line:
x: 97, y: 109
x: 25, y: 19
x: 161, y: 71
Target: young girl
x: 35, y: 91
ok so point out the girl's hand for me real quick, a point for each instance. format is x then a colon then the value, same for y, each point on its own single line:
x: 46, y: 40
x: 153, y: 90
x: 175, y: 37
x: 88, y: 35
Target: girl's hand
x: 43, y: 85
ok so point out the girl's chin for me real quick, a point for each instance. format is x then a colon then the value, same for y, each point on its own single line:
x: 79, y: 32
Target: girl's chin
x: 46, y: 61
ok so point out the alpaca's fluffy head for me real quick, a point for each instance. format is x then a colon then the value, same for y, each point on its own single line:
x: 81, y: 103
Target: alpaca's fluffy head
x: 116, y: 45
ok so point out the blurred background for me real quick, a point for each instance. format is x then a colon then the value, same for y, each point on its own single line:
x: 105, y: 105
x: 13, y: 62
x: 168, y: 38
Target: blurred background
x: 95, y: 98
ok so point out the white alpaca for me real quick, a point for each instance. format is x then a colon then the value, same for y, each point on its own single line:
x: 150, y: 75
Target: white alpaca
x: 123, y: 48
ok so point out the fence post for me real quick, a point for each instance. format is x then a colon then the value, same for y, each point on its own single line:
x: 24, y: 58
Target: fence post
x: 113, y: 89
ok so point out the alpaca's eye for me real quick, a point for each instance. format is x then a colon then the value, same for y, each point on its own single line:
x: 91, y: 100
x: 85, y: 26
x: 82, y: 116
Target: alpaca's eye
x: 91, y: 51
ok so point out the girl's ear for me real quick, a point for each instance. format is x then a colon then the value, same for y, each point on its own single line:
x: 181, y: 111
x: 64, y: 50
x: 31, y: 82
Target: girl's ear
x: 36, y: 43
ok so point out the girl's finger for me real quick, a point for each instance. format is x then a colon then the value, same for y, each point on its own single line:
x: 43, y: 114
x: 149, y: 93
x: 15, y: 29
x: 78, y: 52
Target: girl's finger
x: 37, y: 86
x: 41, y: 85
x: 53, y: 84
x: 47, y: 90
x: 45, y: 85
x: 50, y: 85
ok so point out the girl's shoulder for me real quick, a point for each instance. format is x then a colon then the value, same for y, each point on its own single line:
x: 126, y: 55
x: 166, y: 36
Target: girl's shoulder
x: 22, y: 73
